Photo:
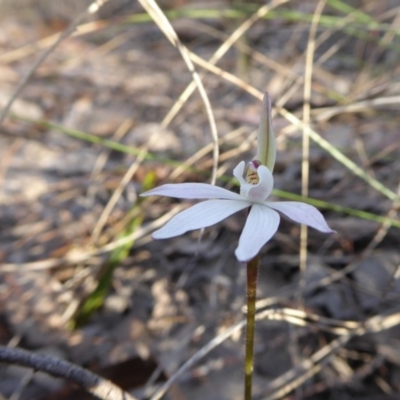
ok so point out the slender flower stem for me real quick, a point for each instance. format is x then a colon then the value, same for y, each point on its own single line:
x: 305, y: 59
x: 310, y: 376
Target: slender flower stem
x: 252, y: 272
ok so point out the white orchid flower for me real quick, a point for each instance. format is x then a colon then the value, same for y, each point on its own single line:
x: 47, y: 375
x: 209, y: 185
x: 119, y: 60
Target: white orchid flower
x: 262, y: 221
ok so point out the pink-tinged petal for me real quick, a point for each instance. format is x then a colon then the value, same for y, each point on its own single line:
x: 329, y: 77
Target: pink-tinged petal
x: 263, y: 188
x: 302, y: 213
x: 192, y: 191
x: 199, y: 216
x: 261, y: 225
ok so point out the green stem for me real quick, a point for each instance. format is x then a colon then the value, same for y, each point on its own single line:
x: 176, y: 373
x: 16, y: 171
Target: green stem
x: 252, y: 271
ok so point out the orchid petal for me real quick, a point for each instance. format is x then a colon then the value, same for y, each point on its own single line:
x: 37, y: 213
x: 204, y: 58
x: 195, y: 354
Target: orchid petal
x: 238, y: 173
x: 261, y: 225
x: 192, y: 191
x: 263, y: 188
x: 302, y: 213
x: 199, y: 216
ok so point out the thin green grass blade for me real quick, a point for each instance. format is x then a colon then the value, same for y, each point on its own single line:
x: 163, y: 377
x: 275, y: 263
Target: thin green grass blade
x: 339, y: 156
x: 290, y: 196
x: 96, y: 299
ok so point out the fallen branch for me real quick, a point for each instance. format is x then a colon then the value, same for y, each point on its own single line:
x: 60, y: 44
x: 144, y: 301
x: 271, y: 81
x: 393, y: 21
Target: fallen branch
x: 94, y: 384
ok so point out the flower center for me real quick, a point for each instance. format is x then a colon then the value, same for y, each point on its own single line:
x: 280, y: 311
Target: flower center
x: 251, y: 175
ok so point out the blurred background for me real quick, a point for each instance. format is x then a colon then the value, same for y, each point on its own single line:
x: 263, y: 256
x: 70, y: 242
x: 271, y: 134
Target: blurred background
x: 102, y: 119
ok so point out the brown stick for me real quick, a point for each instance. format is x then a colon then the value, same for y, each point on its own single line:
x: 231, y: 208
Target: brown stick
x: 94, y: 384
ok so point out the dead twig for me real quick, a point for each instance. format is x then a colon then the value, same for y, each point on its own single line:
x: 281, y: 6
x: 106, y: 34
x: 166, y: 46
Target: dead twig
x: 94, y: 384
x: 305, y: 164
x: 163, y: 23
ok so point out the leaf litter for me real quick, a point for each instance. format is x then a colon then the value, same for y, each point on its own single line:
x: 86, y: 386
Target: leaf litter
x: 167, y: 299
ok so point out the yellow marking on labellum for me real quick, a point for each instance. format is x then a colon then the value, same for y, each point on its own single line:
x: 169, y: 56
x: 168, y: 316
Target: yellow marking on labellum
x: 251, y: 175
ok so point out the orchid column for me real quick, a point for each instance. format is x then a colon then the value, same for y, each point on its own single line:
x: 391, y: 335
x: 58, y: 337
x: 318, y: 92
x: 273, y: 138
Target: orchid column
x: 256, y: 184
